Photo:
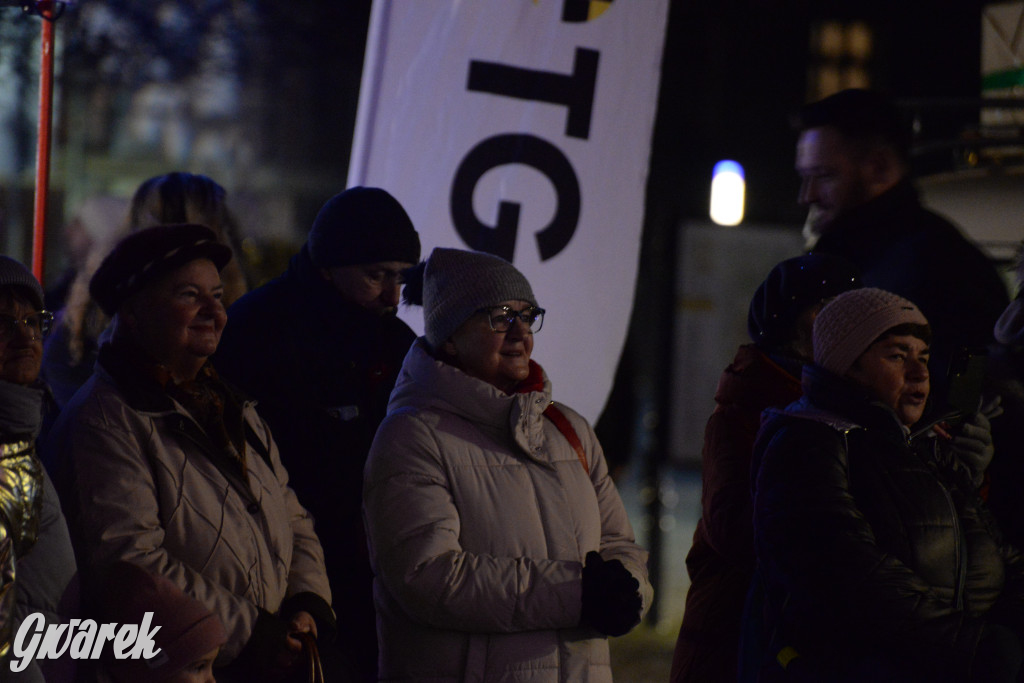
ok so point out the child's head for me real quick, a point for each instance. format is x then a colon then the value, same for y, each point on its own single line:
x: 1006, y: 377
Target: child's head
x: 189, y: 638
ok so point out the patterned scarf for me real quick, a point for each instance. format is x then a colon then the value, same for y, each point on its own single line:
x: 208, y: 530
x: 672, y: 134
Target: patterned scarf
x: 215, y: 407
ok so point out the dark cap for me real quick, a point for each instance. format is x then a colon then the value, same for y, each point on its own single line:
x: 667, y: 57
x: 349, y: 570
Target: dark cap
x: 143, y: 256
x: 791, y: 287
x: 14, y: 274
x: 362, y: 225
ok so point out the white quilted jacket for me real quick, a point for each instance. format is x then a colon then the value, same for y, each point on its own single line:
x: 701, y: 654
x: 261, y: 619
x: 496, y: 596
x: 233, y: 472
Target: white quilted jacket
x: 479, y: 515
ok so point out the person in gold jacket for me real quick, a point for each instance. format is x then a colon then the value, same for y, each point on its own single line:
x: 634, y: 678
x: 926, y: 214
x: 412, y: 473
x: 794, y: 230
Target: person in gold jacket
x: 37, y: 569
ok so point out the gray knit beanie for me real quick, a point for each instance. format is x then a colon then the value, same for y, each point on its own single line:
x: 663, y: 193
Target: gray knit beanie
x: 850, y: 323
x: 14, y: 274
x: 458, y: 283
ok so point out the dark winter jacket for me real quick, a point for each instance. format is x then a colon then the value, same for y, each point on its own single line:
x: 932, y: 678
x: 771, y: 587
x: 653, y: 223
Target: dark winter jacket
x: 902, y: 247
x: 721, y: 559
x: 321, y: 370
x: 877, y: 557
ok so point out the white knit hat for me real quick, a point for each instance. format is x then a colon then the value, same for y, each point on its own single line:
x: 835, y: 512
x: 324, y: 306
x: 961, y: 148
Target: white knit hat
x: 850, y: 323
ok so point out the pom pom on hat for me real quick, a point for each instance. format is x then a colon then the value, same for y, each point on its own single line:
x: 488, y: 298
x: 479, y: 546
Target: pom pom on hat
x: 143, y: 256
x: 458, y: 283
x: 188, y: 630
x: 14, y: 274
x: 362, y: 225
x: 850, y: 323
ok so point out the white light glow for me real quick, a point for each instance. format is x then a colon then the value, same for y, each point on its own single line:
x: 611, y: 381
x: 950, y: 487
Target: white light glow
x: 728, y: 192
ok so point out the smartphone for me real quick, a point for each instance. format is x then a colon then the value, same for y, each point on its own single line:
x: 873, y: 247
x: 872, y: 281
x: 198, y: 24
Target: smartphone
x: 964, y: 380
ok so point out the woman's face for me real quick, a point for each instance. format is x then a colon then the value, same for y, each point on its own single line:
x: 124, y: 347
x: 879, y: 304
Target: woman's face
x: 21, y: 348
x: 895, y: 369
x: 178, y: 319
x: 498, y: 358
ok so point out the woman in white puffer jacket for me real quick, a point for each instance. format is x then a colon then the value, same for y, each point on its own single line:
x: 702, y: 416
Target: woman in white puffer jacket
x: 482, y: 500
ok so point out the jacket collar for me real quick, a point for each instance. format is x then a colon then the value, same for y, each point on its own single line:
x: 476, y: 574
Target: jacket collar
x: 877, y: 221
x: 426, y: 382
x: 755, y: 378
x: 847, y: 402
x: 124, y: 365
x: 141, y: 390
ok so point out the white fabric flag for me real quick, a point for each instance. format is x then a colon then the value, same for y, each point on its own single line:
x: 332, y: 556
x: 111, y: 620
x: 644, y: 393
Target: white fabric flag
x: 523, y: 128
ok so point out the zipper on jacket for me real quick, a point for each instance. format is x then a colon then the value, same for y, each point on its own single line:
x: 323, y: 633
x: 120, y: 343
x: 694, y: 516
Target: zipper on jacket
x: 960, y: 543
x: 961, y: 555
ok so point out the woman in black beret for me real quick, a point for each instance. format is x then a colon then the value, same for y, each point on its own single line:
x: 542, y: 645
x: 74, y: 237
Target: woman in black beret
x: 167, y: 467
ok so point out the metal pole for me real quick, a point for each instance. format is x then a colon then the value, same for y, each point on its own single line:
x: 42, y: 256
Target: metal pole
x: 48, y: 11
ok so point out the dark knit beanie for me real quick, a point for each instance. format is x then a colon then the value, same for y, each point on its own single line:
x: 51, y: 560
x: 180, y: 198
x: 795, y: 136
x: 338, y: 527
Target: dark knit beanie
x: 458, y: 283
x: 362, y: 225
x: 143, y: 256
x: 188, y: 630
x: 14, y: 274
x: 791, y: 287
x: 850, y: 323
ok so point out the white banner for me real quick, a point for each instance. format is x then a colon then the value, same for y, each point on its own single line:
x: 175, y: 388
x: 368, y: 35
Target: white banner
x: 523, y: 128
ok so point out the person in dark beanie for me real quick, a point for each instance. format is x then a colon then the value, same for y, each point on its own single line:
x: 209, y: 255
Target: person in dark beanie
x: 764, y: 374
x: 189, y: 637
x: 320, y: 348
x: 163, y: 464
x: 876, y: 557
x: 500, y: 546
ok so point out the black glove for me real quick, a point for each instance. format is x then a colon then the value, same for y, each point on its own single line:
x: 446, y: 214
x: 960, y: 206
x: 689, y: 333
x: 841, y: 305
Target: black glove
x: 998, y: 657
x: 610, y: 596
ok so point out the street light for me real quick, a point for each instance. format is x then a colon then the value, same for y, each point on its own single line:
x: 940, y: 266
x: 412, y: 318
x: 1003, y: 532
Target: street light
x: 728, y: 190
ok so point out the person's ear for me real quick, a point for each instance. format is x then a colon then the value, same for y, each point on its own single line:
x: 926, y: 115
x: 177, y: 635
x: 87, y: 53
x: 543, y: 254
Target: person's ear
x: 883, y: 169
x: 449, y: 348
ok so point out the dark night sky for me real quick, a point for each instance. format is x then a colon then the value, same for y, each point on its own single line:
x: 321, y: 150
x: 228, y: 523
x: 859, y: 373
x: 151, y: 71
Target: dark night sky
x: 735, y: 71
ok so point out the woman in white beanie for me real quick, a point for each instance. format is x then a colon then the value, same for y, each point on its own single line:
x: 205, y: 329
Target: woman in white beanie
x: 877, y: 559
x: 499, y: 543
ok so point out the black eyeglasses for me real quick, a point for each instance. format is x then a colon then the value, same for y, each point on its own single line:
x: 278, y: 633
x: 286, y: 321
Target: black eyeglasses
x: 38, y: 324
x: 502, y: 317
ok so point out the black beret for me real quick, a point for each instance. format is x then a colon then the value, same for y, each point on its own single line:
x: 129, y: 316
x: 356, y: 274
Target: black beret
x: 143, y: 256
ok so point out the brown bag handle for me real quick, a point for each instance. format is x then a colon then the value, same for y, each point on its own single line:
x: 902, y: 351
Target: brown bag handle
x: 314, y: 669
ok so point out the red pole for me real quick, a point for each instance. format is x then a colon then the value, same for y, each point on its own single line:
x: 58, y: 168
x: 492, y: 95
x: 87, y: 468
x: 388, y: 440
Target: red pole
x: 48, y: 11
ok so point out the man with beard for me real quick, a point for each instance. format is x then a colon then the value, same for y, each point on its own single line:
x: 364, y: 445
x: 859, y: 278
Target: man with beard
x: 320, y: 348
x: 853, y: 158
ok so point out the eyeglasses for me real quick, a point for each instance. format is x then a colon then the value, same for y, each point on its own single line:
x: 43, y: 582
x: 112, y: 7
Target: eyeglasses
x: 502, y: 317
x: 38, y: 324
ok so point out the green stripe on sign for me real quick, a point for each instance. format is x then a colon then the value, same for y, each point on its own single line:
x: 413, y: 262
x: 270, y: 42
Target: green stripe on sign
x: 1003, y: 79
